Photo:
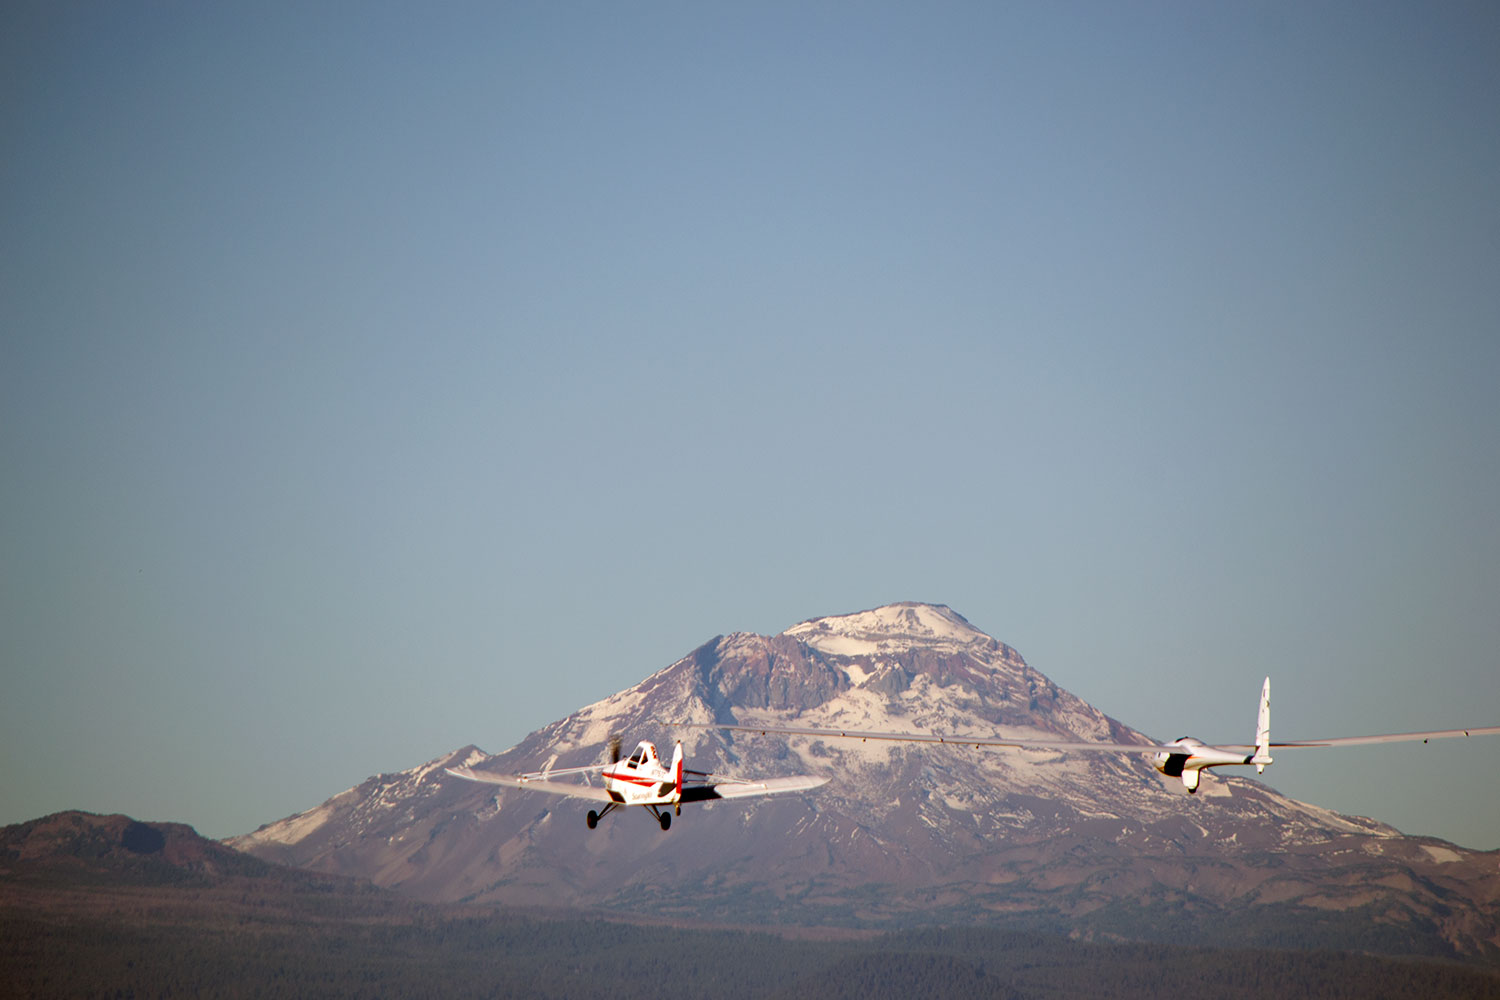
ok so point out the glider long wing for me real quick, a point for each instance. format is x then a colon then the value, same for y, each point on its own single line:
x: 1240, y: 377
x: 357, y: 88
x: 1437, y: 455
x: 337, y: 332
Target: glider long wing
x: 536, y: 784
x: 1347, y: 741
x: 1044, y: 744
x: 958, y: 741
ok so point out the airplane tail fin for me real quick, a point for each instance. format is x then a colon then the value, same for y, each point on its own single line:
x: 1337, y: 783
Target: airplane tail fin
x: 677, y: 768
x: 1263, y: 730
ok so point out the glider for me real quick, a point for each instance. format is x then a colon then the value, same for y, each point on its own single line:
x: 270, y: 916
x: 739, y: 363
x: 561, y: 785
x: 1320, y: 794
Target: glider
x: 642, y: 780
x: 1184, y: 758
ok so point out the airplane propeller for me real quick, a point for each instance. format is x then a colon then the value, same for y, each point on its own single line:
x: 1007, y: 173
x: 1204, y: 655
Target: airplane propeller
x: 614, y: 748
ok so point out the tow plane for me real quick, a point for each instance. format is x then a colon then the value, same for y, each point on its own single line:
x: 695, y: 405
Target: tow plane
x: 643, y: 780
x: 1185, y: 758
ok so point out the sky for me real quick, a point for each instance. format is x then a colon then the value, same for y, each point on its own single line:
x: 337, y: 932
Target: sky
x: 378, y: 379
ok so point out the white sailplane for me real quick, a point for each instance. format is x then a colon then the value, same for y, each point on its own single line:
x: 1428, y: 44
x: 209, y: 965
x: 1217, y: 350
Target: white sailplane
x: 642, y: 780
x: 1185, y: 758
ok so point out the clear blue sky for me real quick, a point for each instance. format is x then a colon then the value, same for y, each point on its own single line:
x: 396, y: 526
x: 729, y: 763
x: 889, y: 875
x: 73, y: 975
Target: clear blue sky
x: 378, y: 379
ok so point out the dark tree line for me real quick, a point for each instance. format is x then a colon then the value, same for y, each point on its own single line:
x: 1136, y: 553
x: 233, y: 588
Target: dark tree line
x: 45, y: 955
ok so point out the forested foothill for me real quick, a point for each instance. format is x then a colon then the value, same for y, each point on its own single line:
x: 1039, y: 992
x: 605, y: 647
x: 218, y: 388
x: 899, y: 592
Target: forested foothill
x: 331, y: 944
x: 107, y: 907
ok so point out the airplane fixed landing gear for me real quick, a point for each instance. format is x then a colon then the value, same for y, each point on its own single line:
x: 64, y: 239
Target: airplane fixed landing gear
x: 593, y: 818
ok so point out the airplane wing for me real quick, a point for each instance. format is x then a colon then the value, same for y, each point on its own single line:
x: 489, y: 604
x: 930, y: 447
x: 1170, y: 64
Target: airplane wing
x: 1346, y: 741
x: 734, y: 788
x: 1045, y: 744
x: 960, y: 741
x: 536, y: 784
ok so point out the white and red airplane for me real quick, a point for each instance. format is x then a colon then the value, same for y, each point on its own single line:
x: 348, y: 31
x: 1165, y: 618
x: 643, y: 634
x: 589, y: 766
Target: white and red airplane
x: 1186, y: 758
x: 642, y: 780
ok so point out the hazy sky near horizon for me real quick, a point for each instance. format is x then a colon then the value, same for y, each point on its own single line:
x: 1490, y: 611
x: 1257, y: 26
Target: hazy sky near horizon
x: 382, y: 378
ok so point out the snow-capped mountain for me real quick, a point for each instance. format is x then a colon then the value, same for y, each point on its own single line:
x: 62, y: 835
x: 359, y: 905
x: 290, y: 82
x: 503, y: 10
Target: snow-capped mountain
x: 902, y: 833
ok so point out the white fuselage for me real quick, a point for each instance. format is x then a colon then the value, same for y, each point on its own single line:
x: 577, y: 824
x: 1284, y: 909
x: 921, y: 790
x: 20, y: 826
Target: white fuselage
x: 1197, y: 755
x: 641, y: 779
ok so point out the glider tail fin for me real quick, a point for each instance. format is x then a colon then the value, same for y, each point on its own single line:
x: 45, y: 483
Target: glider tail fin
x: 1263, y: 730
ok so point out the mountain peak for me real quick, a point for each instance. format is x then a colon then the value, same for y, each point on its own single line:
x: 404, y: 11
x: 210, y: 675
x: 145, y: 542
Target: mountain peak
x: 888, y: 629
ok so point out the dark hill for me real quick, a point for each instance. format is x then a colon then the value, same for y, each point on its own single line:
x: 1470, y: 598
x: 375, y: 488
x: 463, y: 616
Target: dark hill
x: 83, y: 847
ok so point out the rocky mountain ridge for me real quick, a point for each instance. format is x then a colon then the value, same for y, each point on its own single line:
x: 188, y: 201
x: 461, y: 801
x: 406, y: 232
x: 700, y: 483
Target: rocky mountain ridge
x: 902, y: 834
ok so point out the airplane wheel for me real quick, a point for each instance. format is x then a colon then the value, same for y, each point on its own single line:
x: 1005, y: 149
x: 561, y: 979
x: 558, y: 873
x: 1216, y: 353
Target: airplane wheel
x: 593, y: 819
x: 666, y: 821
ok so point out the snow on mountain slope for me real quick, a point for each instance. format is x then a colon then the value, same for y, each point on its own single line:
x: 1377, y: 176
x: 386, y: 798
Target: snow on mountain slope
x: 890, y: 629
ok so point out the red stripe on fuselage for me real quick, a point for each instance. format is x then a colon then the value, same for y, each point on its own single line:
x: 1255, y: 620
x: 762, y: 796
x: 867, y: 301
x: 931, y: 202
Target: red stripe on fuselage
x: 636, y: 780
